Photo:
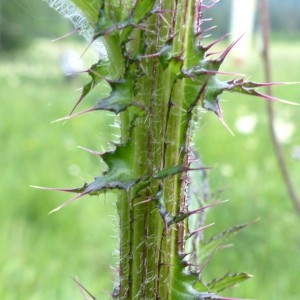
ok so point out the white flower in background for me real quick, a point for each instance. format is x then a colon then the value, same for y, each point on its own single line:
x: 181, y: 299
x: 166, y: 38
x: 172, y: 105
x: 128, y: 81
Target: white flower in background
x: 284, y: 130
x: 296, y: 152
x: 246, y: 124
x: 70, y: 63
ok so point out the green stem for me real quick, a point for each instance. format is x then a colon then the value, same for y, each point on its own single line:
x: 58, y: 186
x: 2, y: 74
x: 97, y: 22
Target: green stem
x: 148, y: 249
x: 157, y: 74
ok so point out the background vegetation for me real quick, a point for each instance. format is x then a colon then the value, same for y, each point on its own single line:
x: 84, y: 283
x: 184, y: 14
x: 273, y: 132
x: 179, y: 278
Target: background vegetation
x: 40, y: 254
x: 21, y: 21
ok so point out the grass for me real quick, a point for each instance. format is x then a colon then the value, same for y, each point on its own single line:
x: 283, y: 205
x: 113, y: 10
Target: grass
x: 40, y: 254
x: 245, y: 167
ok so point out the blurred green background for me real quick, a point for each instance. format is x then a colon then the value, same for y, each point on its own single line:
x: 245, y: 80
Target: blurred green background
x: 41, y: 253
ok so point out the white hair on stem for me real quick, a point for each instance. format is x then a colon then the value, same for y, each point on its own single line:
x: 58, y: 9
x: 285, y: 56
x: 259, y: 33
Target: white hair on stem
x: 70, y: 11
